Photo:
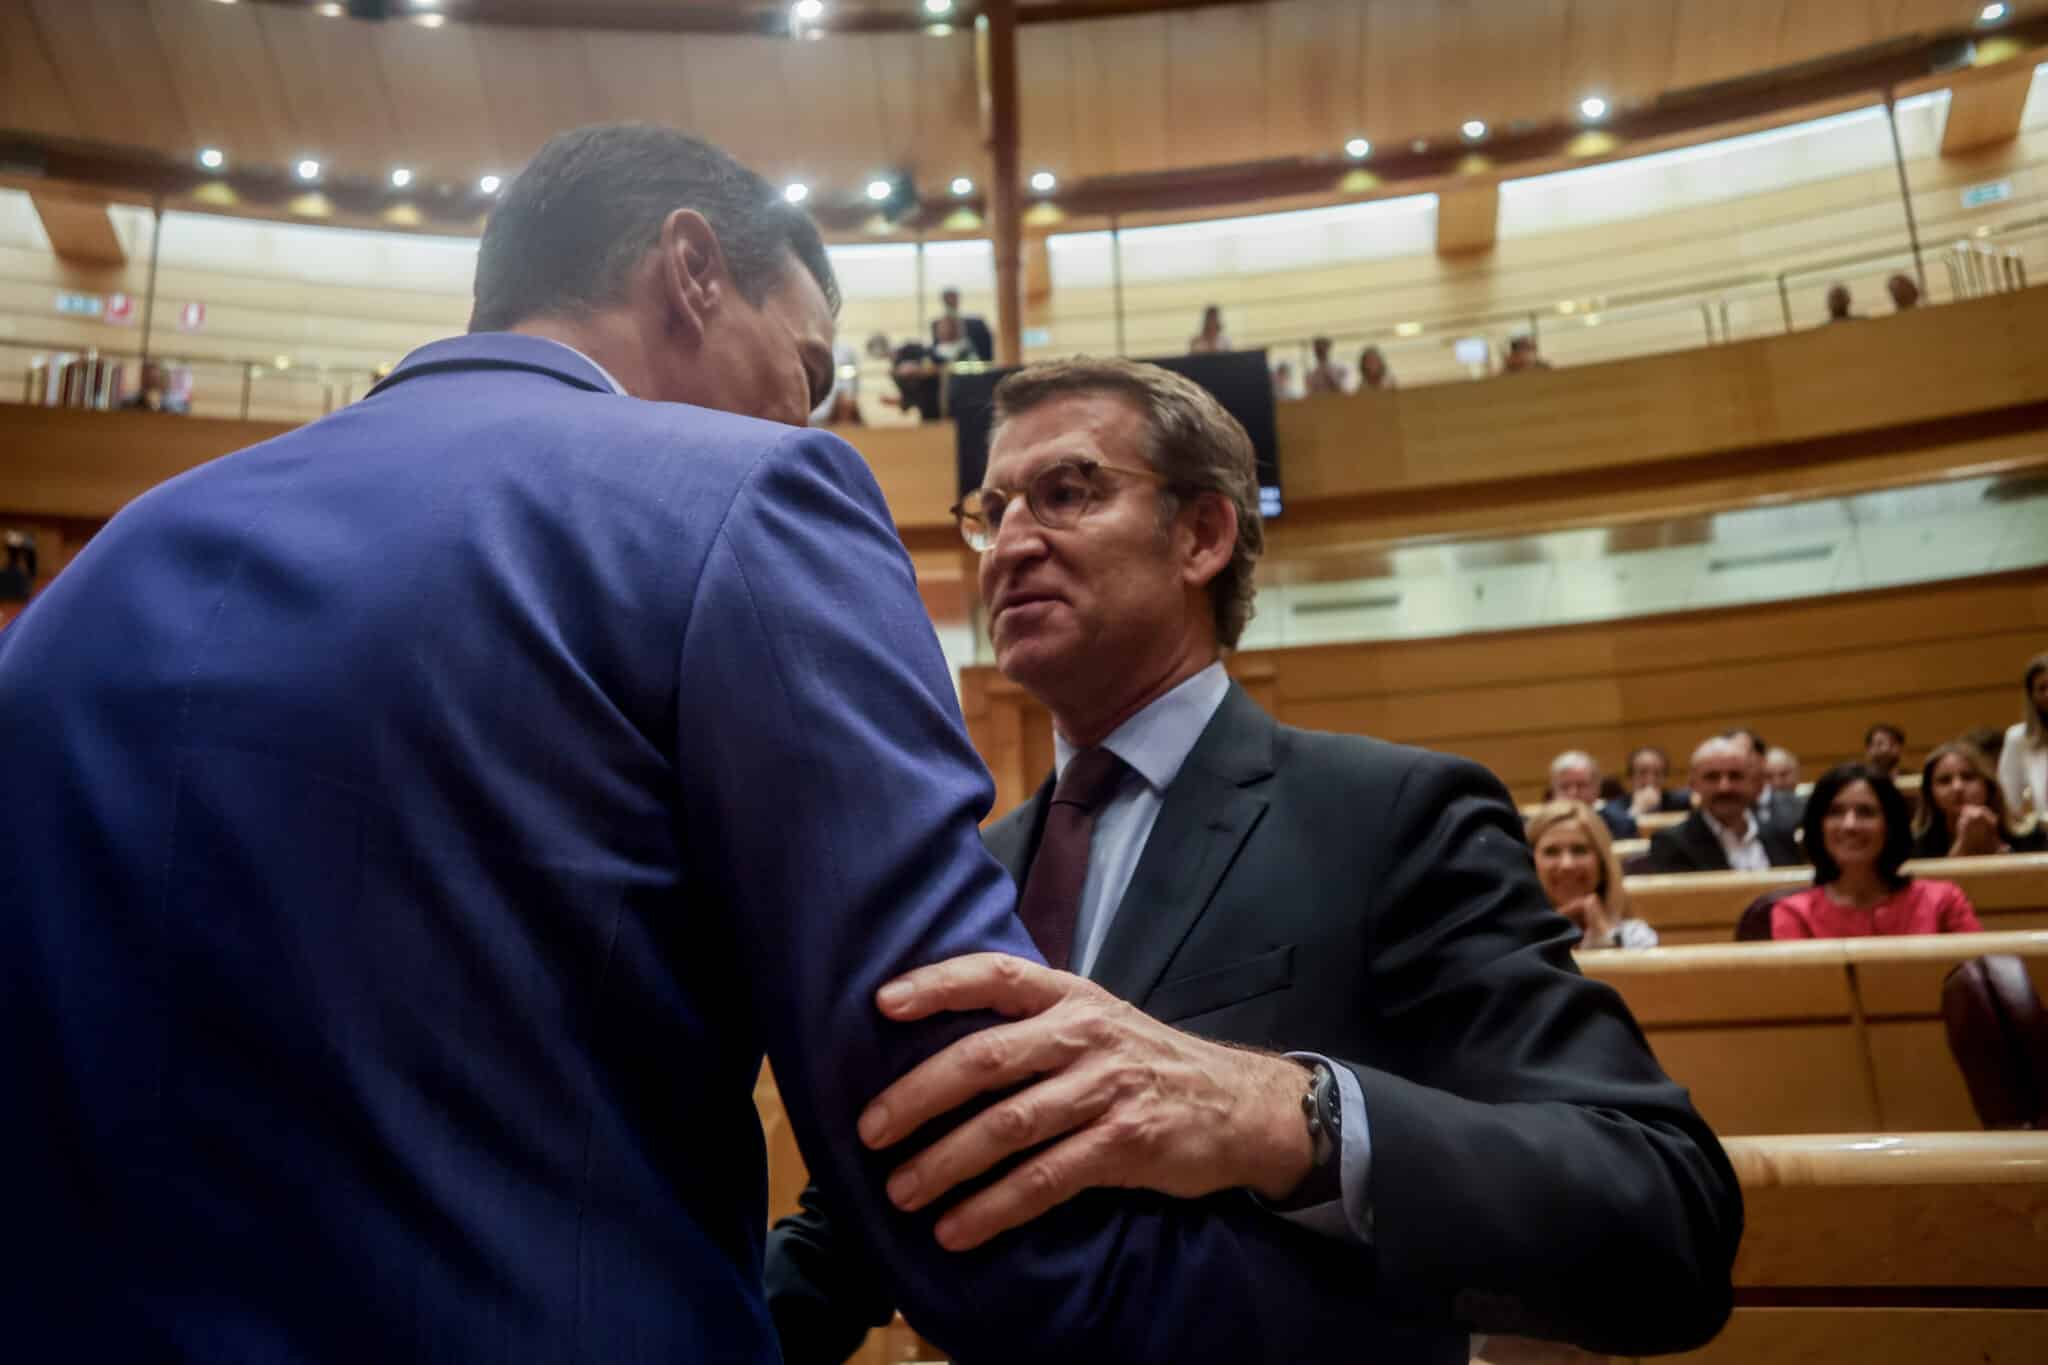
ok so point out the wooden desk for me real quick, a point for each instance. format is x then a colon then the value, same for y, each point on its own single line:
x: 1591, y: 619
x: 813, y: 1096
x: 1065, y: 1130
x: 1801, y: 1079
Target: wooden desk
x: 2009, y: 891
x: 1810, y: 1037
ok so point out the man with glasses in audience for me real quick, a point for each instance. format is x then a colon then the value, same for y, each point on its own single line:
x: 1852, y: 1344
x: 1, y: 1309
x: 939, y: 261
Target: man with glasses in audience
x: 1305, y: 925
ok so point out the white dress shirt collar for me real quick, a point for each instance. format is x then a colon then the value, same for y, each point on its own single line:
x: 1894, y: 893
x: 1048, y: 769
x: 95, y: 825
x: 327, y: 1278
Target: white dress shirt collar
x: 1157, y: 740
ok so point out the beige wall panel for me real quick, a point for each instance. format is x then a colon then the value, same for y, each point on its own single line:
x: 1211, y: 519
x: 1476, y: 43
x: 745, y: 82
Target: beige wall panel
x: 1919, y: 1086
x: 32, y: 94
x: 217, y: 60
x: 1729, y: 994
x: 536, y: 83
x: 333, y: 86
x: 1814, y: 1080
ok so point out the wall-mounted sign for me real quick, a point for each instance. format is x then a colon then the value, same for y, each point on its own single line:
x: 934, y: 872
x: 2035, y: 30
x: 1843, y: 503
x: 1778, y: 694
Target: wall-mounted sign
x: 191, y: 317
x: 80, y: 305
x: 1990, y: 192
x: 120, y: 309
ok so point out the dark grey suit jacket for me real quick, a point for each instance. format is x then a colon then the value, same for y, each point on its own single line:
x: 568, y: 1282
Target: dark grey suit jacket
x: 1690, y: 846
x: 1532, y: 1170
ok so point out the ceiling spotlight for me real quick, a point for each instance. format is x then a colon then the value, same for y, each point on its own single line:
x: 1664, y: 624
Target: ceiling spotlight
x: 1043, y: 182
x: 938, y: 6
x: 796, y: 191
x: 1592, y: 108
x: 962, y: 185
x: 809, y: 11
x: 308, y: 169
x: 1473, y: 130
x: 213, y: 158
x: 1992, y: 13
x: 400, y: 178
x: 1408, y: 329
x: 878, y: 190
x: 282, y: 362
x: 490, y: 184
x: 1358, y: 149
x: 430, y: 20
x: 1419, y: 146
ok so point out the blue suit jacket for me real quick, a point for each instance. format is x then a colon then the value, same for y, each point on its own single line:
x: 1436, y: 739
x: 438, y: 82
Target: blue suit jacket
x: 425, y: 821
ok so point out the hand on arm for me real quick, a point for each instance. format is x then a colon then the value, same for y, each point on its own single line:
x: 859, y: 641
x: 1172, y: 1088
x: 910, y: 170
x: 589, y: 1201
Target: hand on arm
x: 1123, y: 1100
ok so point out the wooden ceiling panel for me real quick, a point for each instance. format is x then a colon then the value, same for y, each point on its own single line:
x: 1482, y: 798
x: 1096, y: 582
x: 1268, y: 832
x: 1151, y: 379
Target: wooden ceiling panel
x: 223, y: 72
x: 1120, y: 84
x: 1716, y: 40
x: 1215, y: 101
x: 1045, y: 101
x: 333, y: 87
x: 1815, y: 28
x: 107, y: 55
x: 638, y: 76
x: 436, y: 88
x: 1398, y: 69
x: 946, y: 138
x: 1311, y: 76
x: 1503, y: 63
x: 835, y: 111
x: 537, y: 84
x: 742, y: 101
x: 32, y: 95
x: 1620, y: 49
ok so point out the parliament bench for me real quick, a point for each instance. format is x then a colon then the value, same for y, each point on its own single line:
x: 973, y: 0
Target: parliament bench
x: 2009, y: 891
x: 1814, y: 1036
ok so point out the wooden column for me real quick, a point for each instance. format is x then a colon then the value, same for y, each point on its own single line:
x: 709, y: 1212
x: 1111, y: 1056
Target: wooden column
x: 996, y: 63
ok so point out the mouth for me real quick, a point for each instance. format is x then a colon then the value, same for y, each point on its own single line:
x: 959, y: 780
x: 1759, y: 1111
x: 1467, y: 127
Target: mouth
x: 1012, y: 601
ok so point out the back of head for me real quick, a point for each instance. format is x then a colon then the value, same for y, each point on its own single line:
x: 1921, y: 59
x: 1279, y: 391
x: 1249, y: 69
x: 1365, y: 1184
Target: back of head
x: 1196, y: 445
x: 1898, y: 823
x: 566, y: 235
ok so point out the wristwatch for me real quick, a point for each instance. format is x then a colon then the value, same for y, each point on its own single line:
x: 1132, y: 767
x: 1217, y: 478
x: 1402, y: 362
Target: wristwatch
x: 1322, y: 1107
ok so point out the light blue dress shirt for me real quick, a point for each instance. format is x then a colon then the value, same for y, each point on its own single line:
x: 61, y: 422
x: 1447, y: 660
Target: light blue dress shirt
x: 1154, y: 744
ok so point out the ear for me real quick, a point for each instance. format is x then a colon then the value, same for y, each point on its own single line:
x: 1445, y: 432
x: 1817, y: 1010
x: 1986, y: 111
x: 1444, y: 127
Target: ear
x: 1207, y: 537
x: 693, y: 274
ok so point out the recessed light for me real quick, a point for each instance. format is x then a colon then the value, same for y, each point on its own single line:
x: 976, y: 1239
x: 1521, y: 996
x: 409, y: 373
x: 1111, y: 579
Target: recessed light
x: 490, y: 184
x: 1473, y: 130
x: 1568, y: 306
x: 938, y: 6
x: 1043, y: 182
x: 213, y: 158
x: 796, y: 191
x: 1592, y: 108
x: 1992, y: 13
x: 809, y: 11
x: 282, y: 362
x: 962, y: 185
x: 1358, y: 149
x: 1408, y: 329
x: 938, y: 30
x: 307, y: 169
x: 400, y: 178
x: 1419, y: 146
x: 430, y: 20
x: 878, y: 190
x: 329, y: 10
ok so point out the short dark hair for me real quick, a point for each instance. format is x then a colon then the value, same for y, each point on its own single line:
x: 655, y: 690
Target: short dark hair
x: 1881, y: 728
x: 1898, y: 824
x: 571, y: 227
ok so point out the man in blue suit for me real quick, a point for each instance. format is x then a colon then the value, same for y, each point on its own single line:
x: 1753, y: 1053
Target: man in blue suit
x: 437, y: 812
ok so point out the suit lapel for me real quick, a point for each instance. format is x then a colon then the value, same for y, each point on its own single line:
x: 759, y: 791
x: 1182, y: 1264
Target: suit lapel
x: 1706, y: 848
x: 1209, y: 811
x: 1014, y: 838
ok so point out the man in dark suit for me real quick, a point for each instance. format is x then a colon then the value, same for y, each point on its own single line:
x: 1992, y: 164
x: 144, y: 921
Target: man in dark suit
x: 1649, y: 767
x: 1723, y: 832
x: 1574, y: 776
x: 971, y: 327
x: 1503, y: 1141
x: 440, y: 810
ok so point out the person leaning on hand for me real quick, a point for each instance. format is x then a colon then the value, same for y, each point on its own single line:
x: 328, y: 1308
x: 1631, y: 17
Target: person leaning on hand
x: 1255, y: 922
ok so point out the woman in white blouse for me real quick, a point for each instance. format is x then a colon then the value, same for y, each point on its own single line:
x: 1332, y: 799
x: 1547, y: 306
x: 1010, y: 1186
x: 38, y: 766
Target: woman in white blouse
x: 2023, y: 763
x: 1575, y: 862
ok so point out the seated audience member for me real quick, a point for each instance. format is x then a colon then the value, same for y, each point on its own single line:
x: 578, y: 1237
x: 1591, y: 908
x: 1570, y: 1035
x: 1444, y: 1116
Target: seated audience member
x: 1723, y: 834
x: 1326, y: 375
x: 2023, y: 761
x: 1860, y: 835
x: 1212, y: 336
x: 1961, y: 812
x: 1574, y: 776
x: 1772, y: 807
x: 1284, y: 385
x: 1883, y: 746
x: 1523, y: 355
x: 1649, y: 768
x: 1372, y: 370
x: 154, y: 393
x: 1988, y: 740
x: 965, y: 334
x: 1840, y: 304
x: 1781, y: 782
x: 1905, y: 292
x: 1576, y: 864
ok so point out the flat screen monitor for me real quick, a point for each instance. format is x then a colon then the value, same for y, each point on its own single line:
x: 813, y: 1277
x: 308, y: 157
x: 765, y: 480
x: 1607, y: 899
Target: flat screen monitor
x: 1239, y: 380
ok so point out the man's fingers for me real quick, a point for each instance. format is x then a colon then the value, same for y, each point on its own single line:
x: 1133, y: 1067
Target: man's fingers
x: 979, y: 981
x: 1036, y: 1115
x: 1043, y: 1183
x: 993, y: 1059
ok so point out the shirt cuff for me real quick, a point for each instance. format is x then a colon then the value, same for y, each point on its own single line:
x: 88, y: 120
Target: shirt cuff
x: 1348, y: 1218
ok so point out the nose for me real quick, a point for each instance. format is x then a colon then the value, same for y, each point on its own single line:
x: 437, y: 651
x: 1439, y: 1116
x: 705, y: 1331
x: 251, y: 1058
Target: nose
x: 1019, y: 540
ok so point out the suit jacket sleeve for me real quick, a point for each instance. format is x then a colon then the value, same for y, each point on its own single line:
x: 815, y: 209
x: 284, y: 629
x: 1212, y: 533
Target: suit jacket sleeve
x: 829, y: 801
x: 1668, y: 853
x: 1533, y: 1170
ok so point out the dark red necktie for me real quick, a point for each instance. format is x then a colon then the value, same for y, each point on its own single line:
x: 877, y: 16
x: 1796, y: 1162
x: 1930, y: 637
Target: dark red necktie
x: 1052, y: 892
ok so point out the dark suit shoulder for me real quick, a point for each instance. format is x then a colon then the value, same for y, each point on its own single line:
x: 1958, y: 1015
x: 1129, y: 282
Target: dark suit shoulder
x: 1359, y: 766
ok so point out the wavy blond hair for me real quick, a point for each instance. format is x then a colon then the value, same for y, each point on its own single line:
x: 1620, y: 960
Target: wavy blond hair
x: 1546, y: 817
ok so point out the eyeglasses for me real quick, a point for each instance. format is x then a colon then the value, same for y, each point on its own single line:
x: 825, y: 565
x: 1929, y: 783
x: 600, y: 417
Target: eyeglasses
x: 1058, y: 495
